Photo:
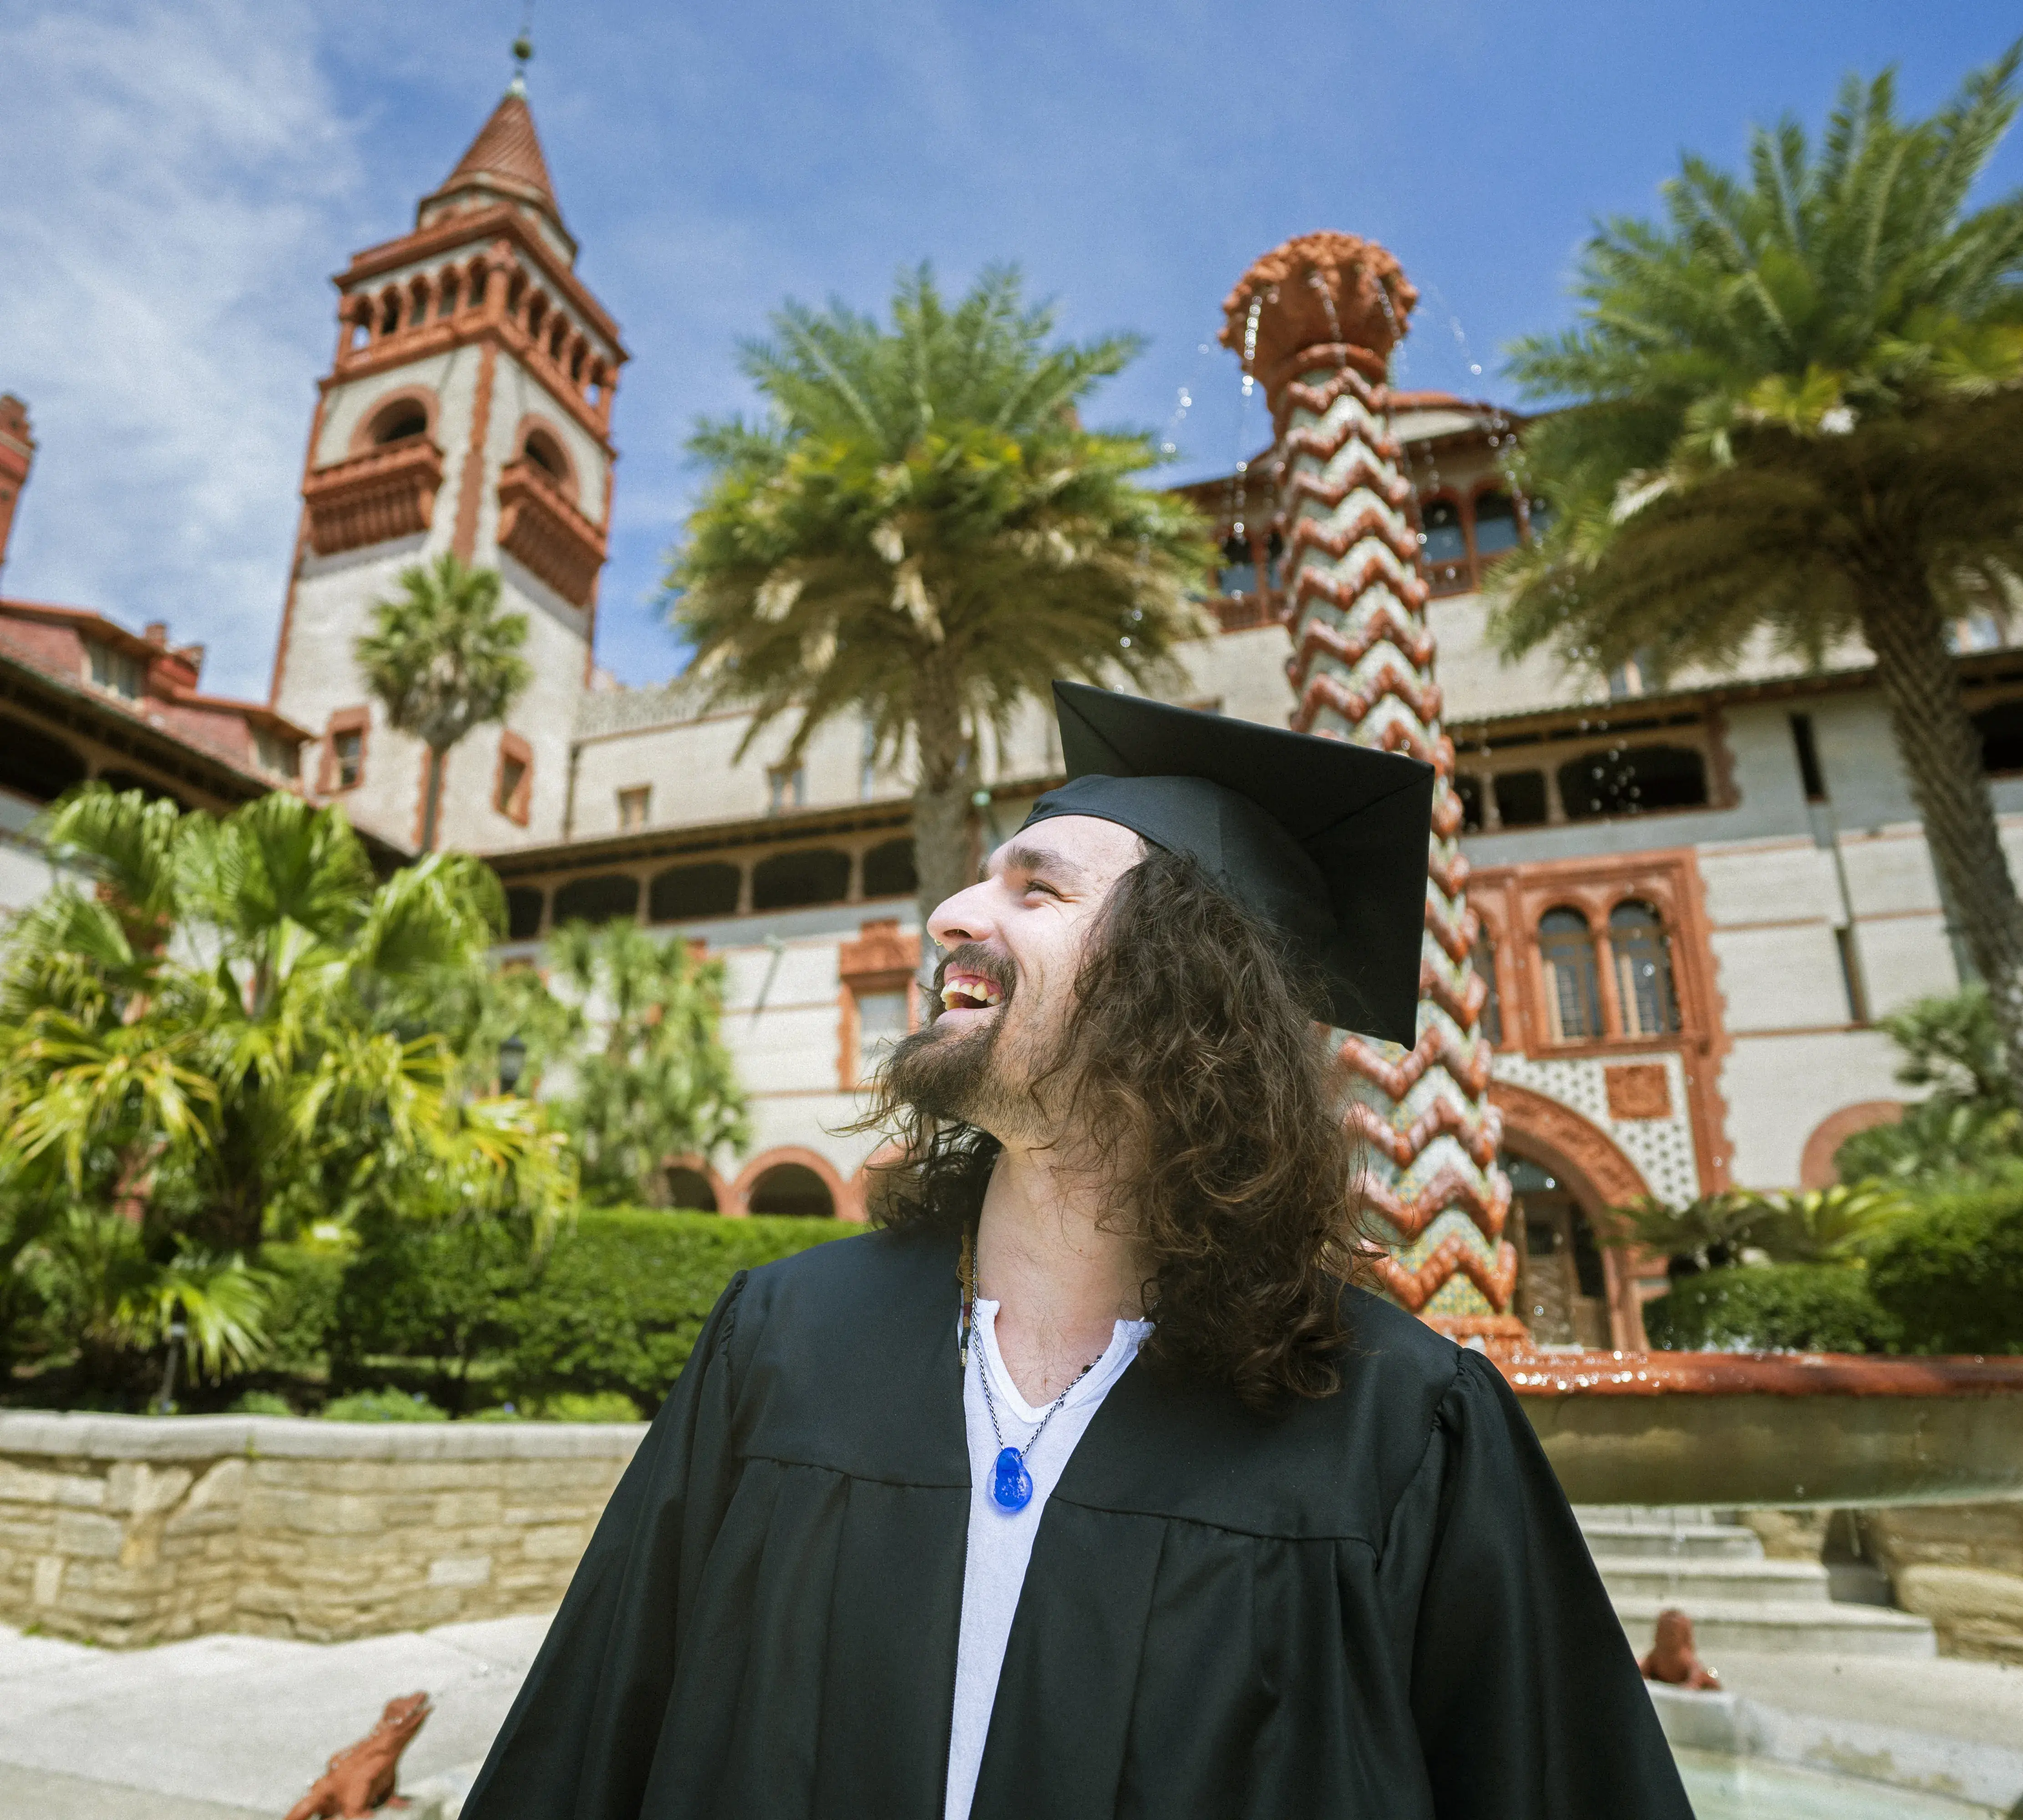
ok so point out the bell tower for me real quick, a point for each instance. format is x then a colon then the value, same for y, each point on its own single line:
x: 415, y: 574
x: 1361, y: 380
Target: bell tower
x: 468, y: 408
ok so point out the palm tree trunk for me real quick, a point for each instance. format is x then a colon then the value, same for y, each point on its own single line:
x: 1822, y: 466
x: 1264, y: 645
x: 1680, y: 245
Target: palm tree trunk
x: 431, y: 798
x: 1941, y: 752
x: 942, y: 864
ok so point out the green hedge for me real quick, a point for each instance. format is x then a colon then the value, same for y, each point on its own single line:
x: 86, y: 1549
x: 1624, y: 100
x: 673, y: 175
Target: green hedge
x: 1954, y: 1280
x: 1772, y: 1308
x: 612, y: 1308
x: 618, y: 1302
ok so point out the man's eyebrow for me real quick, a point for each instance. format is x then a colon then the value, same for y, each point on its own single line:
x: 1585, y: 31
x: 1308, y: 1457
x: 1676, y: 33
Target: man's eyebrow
x: 1021, y: 858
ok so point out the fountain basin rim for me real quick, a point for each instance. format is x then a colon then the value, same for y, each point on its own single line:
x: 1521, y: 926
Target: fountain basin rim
x: 1661, y: 1374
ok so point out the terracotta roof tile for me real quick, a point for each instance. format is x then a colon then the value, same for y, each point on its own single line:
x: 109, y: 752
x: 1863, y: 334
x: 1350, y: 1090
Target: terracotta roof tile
x: 507, y: 146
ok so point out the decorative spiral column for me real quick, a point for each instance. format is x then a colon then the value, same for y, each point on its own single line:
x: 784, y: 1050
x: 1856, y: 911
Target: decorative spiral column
x: 1314, y: 321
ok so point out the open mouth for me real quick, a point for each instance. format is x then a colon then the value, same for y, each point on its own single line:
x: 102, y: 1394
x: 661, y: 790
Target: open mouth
x: 969, y: 991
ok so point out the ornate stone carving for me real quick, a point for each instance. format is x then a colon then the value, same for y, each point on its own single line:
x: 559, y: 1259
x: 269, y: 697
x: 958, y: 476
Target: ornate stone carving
x: 373, y: 498
x: 547, y: 534
x: 1637, y: 1090
x: 1337, y: 296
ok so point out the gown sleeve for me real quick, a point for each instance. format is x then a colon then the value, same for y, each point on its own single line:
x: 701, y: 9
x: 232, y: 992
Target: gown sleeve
x: 579, y: 1742
x: 1528, y: 1703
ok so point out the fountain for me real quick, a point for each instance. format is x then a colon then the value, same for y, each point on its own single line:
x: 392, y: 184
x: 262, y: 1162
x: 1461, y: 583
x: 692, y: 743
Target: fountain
x: 1314, y: 323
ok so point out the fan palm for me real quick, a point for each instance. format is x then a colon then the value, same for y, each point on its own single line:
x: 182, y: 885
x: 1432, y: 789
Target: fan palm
x: 267, y: 1050
x: 442, y: 659
x: 924, y: 534
x: 648, y: 1078
x: 1798, y: 420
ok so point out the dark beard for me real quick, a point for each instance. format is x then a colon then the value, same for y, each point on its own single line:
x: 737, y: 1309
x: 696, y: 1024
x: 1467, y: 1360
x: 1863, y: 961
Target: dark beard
x: 943, y: 1074
x: 957, y: 1079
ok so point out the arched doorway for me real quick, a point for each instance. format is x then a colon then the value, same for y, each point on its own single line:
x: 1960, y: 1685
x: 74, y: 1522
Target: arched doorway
x: 690, y: 1188
x: 1566, y: 1172
x: 1562, y: 1284
x: 793, y: 1189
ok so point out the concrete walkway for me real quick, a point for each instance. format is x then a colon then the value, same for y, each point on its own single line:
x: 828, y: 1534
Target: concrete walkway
x: 232, y: 1728
x: 228, y: 1727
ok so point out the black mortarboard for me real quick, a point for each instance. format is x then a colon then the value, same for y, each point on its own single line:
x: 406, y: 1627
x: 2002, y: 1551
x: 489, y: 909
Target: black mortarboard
x: 1324, y: 841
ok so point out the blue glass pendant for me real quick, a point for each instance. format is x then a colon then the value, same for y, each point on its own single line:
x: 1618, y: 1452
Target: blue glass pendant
x: 1011, y: 1484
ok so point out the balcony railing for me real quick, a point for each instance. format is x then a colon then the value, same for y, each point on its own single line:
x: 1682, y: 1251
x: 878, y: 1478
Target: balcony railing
x: 547, y: 534
x: 374, y: 497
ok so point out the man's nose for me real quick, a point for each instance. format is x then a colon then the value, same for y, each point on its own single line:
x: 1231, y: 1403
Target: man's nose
x: 964, y: 917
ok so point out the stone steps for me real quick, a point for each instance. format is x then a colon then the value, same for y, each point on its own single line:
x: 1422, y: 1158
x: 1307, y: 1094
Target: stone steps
x: 1715, y: 1572
x: 1783, y: 1627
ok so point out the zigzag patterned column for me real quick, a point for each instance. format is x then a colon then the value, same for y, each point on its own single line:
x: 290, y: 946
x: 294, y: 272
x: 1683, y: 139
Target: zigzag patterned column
x: 1314, y: 320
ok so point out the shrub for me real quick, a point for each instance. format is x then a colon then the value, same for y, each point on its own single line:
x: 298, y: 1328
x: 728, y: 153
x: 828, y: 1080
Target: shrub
x: 617, y: 1303
x: 387, y: 1406
x: 588, y: 1406
x: 1772, y: 1308
x: 1954, y: 1279
x: 306, y: 1280
x: 445, y: 1294
x: 262, y: 1403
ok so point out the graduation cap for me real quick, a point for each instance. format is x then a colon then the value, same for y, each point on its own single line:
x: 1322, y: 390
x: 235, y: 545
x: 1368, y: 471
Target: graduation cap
x: 1322, y: 841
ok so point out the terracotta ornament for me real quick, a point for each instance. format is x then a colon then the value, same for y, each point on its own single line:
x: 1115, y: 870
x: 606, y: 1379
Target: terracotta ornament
x: 1314, y: 322
x: 1672, y: 1659
x: 360, y: 1777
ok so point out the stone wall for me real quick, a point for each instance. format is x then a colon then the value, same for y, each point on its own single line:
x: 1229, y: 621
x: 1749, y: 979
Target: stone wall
x: 1961, y: 1565
x: 130, y: 1529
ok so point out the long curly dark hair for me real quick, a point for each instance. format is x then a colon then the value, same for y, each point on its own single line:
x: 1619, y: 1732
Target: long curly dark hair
x: 1208, y: 1091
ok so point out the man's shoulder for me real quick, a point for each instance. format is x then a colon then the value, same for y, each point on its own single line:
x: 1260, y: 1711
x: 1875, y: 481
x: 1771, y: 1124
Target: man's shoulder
x: 840, y: 1274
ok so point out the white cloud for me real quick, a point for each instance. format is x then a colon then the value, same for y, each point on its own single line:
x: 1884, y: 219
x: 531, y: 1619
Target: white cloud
x: 179, y: 180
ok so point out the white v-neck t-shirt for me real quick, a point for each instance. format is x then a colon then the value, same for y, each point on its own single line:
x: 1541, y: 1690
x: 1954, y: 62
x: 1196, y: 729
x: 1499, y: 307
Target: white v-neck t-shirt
x: 1000, y: 1541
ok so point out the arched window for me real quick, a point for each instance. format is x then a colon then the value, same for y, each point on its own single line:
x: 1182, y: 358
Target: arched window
x: 605, y: 897
x: 446, y: 297
x: 1443, y: 546
x: 1239, y: 573
x: 537, y: 313
x: 791, y: 881
x: 524, y: 904
x: 389, y: 312
x: 546, y: 455
x: 888, y: 870
x: 1573, y: 988
x: 418, y: 302
x: 1483, y: 960
x: 1495, y: 525
x: 398, y: 421
x: 37, y: 764
x: 1631, y: 780
x: 683, y: 893
x: 1642, y: 957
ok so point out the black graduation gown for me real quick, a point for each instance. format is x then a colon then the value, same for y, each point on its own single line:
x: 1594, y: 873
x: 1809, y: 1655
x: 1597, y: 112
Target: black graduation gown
x: 1376, y: 1604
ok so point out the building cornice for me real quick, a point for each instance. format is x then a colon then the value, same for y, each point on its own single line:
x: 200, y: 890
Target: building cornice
x: 476, y: 226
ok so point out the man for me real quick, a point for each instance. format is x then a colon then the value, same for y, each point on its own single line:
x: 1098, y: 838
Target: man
x: 1089, y: 1486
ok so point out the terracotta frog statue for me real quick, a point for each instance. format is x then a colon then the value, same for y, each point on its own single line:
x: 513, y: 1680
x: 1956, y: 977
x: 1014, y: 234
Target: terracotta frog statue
x: 360, y: 1777
x: 1673, y: 1659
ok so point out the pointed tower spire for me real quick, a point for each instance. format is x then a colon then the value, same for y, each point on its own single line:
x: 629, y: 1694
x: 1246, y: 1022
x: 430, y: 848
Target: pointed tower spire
x: 505, y: 160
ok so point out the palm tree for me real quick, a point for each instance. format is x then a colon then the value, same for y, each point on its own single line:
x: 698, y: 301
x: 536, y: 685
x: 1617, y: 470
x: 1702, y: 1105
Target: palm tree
x: 1798, y: 421
x: 924, y: 534
x: 633, y: 1021
x: 442, y: 658
x: 266, y: 1051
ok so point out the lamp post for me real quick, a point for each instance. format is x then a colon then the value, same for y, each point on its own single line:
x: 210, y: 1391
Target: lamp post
x: 178, y: 1332
x: 512, y: 1060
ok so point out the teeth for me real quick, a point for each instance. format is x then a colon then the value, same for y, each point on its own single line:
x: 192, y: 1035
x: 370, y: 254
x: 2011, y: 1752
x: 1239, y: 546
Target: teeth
x: 970, y: 995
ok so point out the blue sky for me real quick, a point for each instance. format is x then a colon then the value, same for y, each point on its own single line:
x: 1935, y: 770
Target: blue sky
x: 178, y: 179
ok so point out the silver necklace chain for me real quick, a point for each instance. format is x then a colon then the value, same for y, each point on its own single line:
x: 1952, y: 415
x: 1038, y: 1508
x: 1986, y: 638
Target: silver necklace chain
x: 983, y: 1374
